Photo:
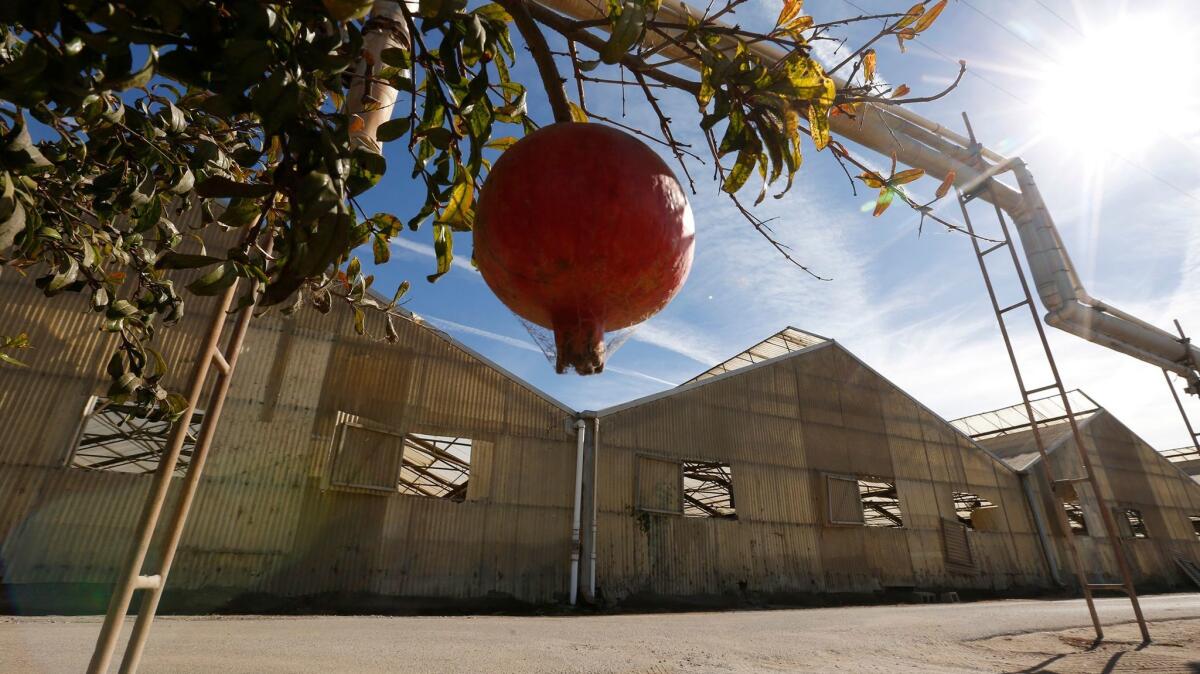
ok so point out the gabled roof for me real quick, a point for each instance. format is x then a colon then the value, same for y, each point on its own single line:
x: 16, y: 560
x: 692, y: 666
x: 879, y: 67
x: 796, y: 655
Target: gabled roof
x: 781, y: 343
x: 1007, y: 432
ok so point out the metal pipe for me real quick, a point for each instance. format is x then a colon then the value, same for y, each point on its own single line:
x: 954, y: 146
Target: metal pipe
x: 1039, y: 523
x: 576, y: 543
x: 888, y: 129
x: 367, y: 99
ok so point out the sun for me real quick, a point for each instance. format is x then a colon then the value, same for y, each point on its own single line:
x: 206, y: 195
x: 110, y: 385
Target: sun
x: 1124, y: 85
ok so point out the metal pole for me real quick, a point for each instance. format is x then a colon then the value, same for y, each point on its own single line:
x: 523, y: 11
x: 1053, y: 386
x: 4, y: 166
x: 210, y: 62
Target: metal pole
x: 131, y: 578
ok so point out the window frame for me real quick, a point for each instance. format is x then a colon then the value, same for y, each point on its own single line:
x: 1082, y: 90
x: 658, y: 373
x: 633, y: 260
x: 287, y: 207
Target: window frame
x: 637, y: 482
x: 345, y: 420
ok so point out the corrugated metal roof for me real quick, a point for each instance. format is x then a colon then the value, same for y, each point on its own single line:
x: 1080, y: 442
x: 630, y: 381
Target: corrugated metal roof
x: 781, y: 343
x: 1014, y: 419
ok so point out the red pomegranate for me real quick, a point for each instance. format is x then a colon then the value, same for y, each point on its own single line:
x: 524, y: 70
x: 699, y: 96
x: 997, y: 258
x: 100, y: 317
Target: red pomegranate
x: 582, y: 229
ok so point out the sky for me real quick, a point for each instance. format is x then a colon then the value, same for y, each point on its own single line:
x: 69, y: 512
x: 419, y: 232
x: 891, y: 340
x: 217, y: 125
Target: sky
x: 1097, y: 98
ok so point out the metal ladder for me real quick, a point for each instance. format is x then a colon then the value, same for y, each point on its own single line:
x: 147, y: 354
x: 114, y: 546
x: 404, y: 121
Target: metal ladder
x: 1003, y: 314
x: 210, y: 356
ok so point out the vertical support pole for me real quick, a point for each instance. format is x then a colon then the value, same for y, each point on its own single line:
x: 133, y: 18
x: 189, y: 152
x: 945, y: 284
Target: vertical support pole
x: 118, y: 606
x: 587, y: 579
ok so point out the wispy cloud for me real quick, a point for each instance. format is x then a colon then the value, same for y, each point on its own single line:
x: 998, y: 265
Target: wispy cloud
x: 425, y: 250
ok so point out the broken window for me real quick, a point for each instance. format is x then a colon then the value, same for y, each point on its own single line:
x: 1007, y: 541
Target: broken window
x: 880, y: 503
x: 122, y: 438
x: 365, y: 458
x: 1195, y: 520
x: 708, y: 489
x: 1137, y: 526
x: 658, y: 485
x: 415, y: 464
x: 436, y: 466
x: 843, y: 500
x: 965, y: 506
x: 1075, y: 518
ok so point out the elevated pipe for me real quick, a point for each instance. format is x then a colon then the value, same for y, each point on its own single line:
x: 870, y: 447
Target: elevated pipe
x: 921, y: 143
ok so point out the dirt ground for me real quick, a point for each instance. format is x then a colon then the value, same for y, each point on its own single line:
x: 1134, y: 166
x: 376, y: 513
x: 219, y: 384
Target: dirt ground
x: 994, y: 636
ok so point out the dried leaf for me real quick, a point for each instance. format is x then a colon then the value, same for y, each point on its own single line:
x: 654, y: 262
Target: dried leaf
x: 947, y: 183
x: 911, y: 15
x: 791, y: 9
x: 906, y: 176
x: 885, y: 199
x: 872, y: 179
x: 901, y: 91
x: 929, y: 17
x: 868, y: 63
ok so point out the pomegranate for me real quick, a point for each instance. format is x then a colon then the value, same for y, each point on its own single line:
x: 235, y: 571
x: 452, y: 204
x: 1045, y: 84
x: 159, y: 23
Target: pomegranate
x: 582, y: 229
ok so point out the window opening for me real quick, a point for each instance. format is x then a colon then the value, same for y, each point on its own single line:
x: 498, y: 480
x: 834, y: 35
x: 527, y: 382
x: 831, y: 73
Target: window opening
x: 880, y: 503
x: 1137, y: 525
x: 965, y: 505
x: 708, y: 489
x: 435, y: 466
x: 122, y: 438
x: 1075, y: 518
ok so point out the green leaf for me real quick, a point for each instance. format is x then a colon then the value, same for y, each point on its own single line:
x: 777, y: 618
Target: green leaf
x: 443, y: 246
x: 366, y: 170
x: 382, y: 250
x: 740, y: 172
x: 218, y: 187
x: 241, y: 212
x: 174, y: 260
x: 393, y: 129
x: 215, y: 281
x: 347, y: 10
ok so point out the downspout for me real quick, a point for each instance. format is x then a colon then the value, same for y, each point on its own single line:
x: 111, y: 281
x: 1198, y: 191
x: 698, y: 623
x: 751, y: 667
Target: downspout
x: 1039, y: 523
x: 595, y: 437
x: 576, y: 542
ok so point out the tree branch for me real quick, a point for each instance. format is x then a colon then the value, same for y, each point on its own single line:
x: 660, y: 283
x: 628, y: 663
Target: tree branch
x: 552, y: 82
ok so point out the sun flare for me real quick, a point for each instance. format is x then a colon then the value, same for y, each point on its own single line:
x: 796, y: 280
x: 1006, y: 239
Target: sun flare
x: 1126, y: 84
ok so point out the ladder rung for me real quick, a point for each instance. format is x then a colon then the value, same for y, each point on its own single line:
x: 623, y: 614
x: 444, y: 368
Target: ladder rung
x: 1044, y: 388
x: 994, y: 248
x: 147, y: 582
x: 1007, y: 309
x: 219, y: 359
x: 1107, y: 586
x: 1072, y: 479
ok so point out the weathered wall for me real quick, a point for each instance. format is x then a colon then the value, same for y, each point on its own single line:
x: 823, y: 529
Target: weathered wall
x: 1130, y: 474
x: 265, y: 520
x: 782, y: 426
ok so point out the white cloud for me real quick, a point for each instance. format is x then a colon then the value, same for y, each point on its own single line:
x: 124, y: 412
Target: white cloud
x: 425, y: 250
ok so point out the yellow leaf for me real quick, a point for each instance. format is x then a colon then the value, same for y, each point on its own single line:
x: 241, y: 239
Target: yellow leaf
x: 944, y: 188
x: 791, y: 8
x: 906, y: 176
x: 818, y: 125
x: 868, y: 63
x: 911, y: 15
x: 458, y: 208
x: 803, y: 22
x: 929, y: 17
x: 900, y: 91
x: 577, y: 113
x: 501, y: 143
x: 885, y: 199
x: 872, y: 179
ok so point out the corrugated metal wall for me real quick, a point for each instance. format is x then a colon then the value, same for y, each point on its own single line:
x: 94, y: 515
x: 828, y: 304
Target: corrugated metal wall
x: 782, y: 427
x: 265, y: 519
x: 1132, y: 474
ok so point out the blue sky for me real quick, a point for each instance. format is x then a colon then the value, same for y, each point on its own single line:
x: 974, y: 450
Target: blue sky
x: 1095, y: 96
